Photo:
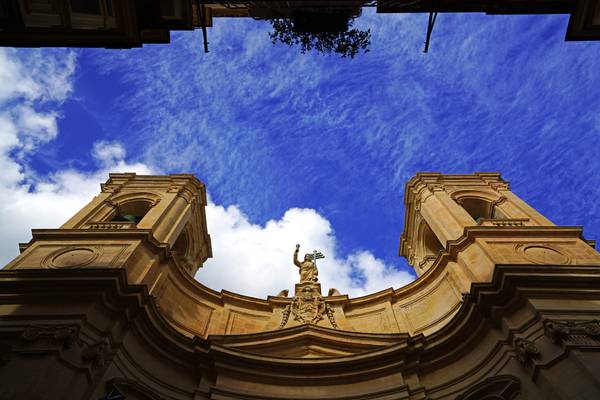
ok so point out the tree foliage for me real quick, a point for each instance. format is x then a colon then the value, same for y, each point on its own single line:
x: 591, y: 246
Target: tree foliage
x: 324, y: 33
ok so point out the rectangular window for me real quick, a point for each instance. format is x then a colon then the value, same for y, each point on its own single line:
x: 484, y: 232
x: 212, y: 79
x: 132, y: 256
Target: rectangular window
x: 40, y: 13
x: 86, y: 6
x: 92, y: 14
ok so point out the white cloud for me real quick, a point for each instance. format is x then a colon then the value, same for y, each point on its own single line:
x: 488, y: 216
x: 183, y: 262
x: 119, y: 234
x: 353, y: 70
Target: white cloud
x: 108, y: 153
x: 257, y: 260
x: 35, y: 75
x: 13, y: 82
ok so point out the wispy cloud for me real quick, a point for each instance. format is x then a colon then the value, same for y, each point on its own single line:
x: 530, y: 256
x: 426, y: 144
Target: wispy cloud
x: 269, y: 128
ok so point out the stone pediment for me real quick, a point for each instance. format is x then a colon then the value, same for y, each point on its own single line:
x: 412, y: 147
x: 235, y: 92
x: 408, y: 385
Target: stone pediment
x: 307, y: 341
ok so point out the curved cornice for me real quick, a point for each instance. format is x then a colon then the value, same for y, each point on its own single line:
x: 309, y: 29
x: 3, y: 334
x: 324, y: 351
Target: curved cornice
x: 193, y: 292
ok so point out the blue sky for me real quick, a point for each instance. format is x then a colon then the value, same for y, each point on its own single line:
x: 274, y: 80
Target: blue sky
x: 317, y: 147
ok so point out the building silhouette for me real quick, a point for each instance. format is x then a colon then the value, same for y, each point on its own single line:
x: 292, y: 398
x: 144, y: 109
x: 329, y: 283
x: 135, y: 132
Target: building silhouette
x: 506, y: 306
x: 131, y: 23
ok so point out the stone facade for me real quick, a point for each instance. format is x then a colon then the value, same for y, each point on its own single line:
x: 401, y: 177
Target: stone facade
x: 506, y: 306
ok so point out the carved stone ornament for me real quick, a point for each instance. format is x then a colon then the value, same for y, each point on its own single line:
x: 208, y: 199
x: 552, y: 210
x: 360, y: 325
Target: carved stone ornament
x: 72, y: 257
x: 175, y: 188
x: 556, y: 331
x: 592, y: 329
x: 572, y: 331
x: 96, y: 353
x: 499, y: 200
x: 500, y: 186
x: 308, y: 308
x: 285, y: 316
x: 542, y: 253
x: 64, y: 335
x: 436, y: 187
x: 111, y: 188
x: 111, y: 203
x: 526, y: 350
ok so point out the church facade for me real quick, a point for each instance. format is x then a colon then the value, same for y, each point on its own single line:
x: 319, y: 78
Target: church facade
x: 506, y: 306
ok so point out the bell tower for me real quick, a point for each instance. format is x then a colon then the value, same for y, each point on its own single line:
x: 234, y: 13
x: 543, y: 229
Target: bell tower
x: 479, y: 221
x: 139, y: 223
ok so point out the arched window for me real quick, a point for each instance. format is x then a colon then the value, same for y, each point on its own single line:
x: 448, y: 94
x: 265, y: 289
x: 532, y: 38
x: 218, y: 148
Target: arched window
x: 477, y: 208
x: 480, y: 208
x: 131, y: 211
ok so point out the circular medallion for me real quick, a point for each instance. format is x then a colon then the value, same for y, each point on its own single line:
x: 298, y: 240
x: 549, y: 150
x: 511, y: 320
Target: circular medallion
x: 72, y: 257
x: 539, y: 254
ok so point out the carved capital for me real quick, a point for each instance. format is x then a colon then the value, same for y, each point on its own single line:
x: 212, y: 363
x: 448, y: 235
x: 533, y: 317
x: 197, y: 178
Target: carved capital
x: 436, y: 187
x: 174, y: 188
x: 184, y: 192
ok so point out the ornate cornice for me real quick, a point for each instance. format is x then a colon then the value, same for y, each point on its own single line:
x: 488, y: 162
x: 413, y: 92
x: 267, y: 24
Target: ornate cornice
x: 376, y: 355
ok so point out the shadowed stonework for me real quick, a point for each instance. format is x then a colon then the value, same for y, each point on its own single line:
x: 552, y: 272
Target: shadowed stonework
x: 505, y: 307
x: 129, y: 23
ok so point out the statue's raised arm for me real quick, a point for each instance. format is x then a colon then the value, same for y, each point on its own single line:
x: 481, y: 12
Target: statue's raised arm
x: 296, y: 262
x: 308, y: 267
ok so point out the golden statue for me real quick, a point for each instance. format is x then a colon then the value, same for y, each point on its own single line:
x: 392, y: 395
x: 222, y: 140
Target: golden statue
x: 308, y: 267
